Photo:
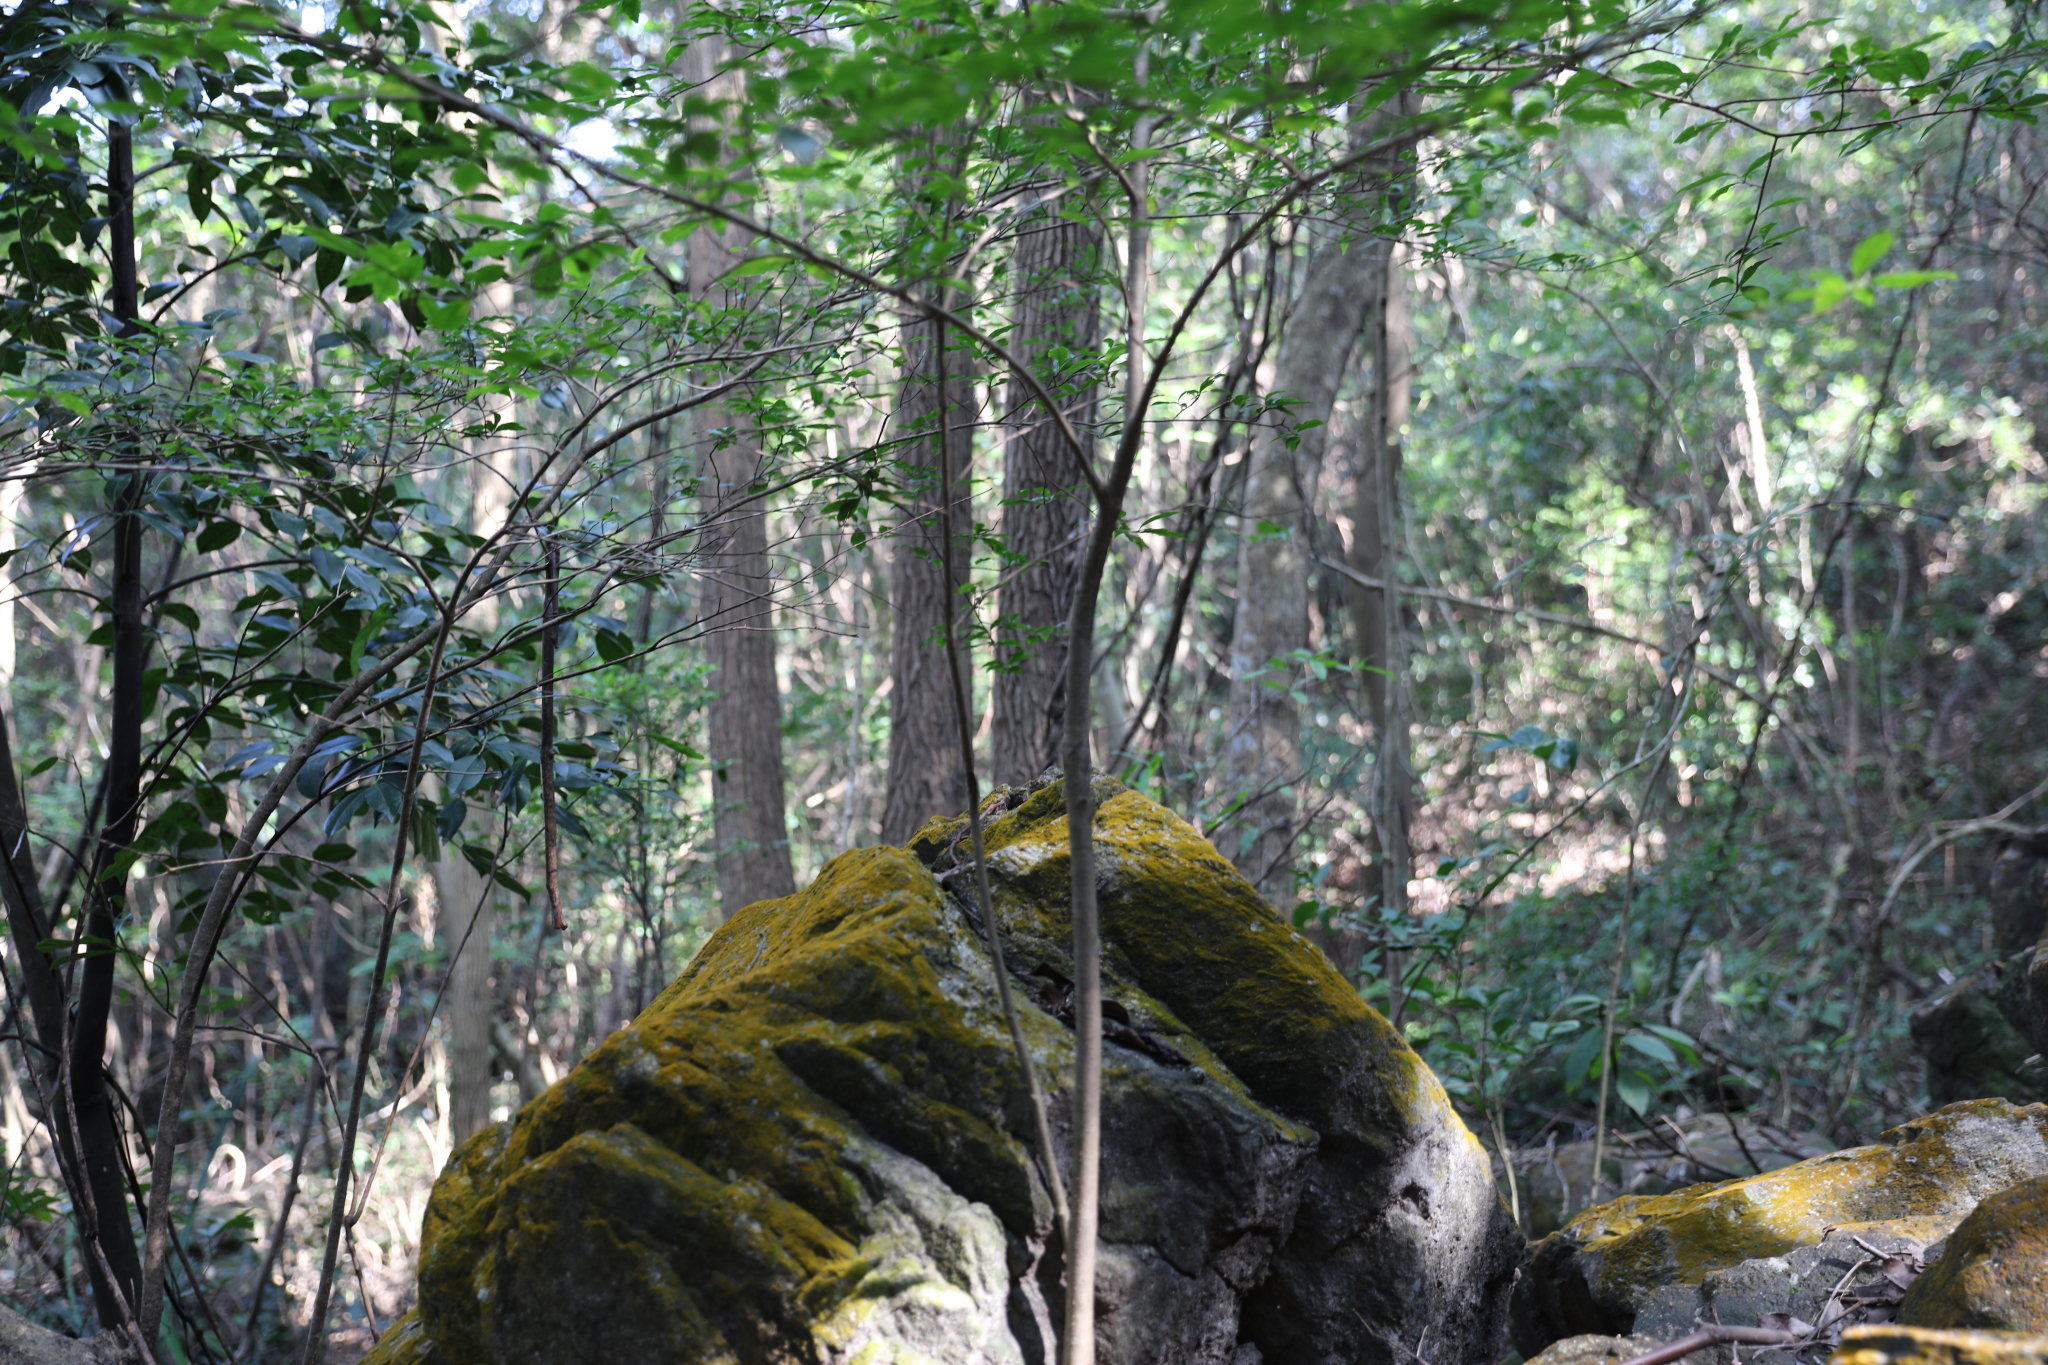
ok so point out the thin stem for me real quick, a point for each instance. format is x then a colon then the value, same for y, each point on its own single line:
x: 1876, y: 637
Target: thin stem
x: 1078, y: 1348
x: 551, y: 833
x: 316, y: 1340
x: 1048, y: 1160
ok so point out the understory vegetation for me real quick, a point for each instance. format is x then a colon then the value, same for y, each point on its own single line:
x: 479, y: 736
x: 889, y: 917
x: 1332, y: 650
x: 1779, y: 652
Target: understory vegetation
x: 488, y: 489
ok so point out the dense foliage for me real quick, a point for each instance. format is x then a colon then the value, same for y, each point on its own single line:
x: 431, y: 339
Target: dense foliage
x: 388, y: 386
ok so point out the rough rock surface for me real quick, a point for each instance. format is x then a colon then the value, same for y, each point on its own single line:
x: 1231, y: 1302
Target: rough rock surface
x: 1993, y: 1273
x: 1556, y: 1181
x: 814, y: 1145
x: 1740, y: 1248
x: 1592, y: 1350
x: 1932, y: 1346
x: 25, y: 1343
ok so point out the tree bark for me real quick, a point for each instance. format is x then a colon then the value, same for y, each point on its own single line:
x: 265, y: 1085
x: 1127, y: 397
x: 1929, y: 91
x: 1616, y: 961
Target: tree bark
x: 88, y: 1108
x: 1376, y: 553
x: 925, y: 776
x: 1044, y: 506
x: 744, y: 721
x: 465, y: 913
x: 1263, y: 743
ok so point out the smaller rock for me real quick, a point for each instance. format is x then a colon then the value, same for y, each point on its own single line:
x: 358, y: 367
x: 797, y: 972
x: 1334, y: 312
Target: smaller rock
x: 1644, y: 1263
x: 1994, y: 1272
x: 404, y: 1343
x: 1898, y: 1345
x: 1554, y: 1182
x: 1593, y: 1350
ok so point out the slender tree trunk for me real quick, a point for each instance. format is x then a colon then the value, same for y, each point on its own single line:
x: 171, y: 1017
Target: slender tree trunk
x: 1376, y: 545
x: 467, y: 900
x: 465, y: 913
x: 744, y: 723
x: 87, y: 1104
x: 1263, y: 745
x: 1376, y: 553
x: 1043, y: 494
x: 925, y: 776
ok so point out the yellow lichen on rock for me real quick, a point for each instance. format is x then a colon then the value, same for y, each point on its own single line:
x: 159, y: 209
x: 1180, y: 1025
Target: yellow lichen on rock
x: 1994, y: 1271
x: 1915, y: 1183
x: 404, y: 1342
x: 1897, y: 1345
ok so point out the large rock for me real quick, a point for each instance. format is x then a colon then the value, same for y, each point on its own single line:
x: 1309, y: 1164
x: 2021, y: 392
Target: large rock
x: 815, y: 1145
x: 1771, y: 1243
x: 1994, y: 1271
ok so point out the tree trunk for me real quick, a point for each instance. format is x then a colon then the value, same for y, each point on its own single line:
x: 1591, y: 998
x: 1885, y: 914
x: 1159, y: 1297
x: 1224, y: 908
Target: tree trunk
x: 925, y: 775
x: 89, y: 1108
x: 1043, y: 493
x: 465, y: 898
x: 744, y: 723
x: 1376, y: 553
x: 1263, y: 743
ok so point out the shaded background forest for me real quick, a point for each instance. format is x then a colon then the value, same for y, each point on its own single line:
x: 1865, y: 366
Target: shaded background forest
x: 1714, y: 690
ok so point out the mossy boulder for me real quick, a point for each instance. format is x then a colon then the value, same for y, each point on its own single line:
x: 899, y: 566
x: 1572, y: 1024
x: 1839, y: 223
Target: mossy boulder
x: 814, y: 1146
x: 1898, y: 1345
x: 1769, y: 1243
x: 1993, y: 1272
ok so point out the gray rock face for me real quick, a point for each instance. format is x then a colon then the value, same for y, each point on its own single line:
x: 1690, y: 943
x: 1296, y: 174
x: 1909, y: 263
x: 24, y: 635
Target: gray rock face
x: 24, y: 1343
x: 815, y: 1146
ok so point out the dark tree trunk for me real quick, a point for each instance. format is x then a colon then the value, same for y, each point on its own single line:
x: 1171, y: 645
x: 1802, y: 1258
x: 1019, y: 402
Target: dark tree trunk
x: 925, y: 775
x: 88, y: 1110
x: 1044, y: 498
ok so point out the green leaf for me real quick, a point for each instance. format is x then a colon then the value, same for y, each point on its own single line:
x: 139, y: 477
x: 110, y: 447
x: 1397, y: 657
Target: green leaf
x: 1651, y: 1046
x: 1910, y: 279
x: 1581, y: 1058
x: 218, y: 535
x: 1868, y: 253
x: 333, y: 853
x: 758, y: 265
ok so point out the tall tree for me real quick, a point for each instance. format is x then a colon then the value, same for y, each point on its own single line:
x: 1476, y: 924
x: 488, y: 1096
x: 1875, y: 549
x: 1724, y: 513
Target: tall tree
x: 1044, y: 498
x: 744, y: 724
x: 1263, y: 744
x: 1375, y: 550
x: 925, y: 774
